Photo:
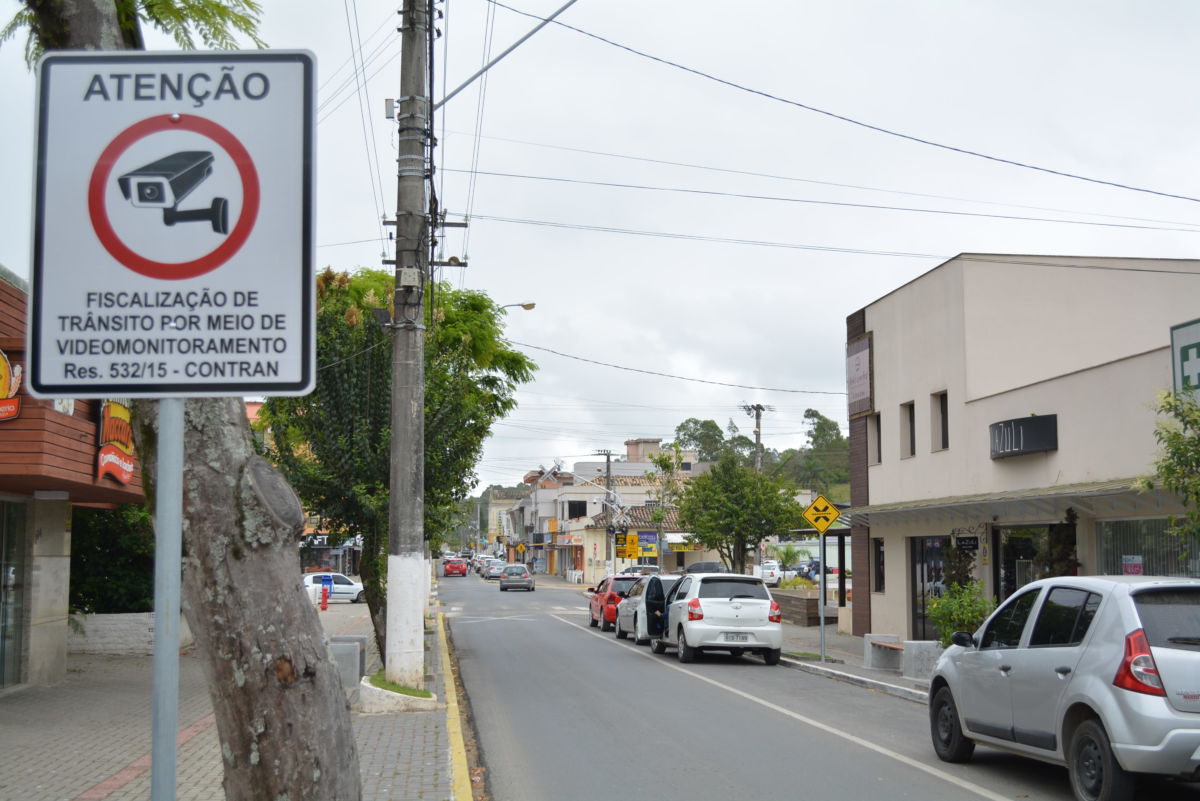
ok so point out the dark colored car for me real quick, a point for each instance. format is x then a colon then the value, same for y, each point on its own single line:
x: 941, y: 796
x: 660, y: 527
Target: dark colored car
x: 705, y: 567
x: 605, y: 597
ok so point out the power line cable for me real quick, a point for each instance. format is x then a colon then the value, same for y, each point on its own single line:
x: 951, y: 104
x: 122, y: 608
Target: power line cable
x: 810, y: 201
x: 372, y: 149
x: 349, y: 59
x: 677, y: 377
x: 480, y: 101
x: 836, y: 184
x: 868, y: 126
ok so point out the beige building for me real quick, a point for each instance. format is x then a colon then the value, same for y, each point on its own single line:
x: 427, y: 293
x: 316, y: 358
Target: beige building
x: 1007, y: 403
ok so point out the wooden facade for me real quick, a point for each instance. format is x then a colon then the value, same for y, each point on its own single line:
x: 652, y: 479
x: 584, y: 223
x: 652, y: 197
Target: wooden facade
x: 43, y: 447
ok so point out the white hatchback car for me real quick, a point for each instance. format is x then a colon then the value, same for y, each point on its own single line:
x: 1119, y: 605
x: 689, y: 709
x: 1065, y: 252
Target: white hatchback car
x: 343, y: 588
x: 718, y: 612
x: 1097, y: 673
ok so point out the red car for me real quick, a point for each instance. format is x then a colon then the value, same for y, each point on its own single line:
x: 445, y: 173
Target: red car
x: 454, y: 567
x: 605, y: 597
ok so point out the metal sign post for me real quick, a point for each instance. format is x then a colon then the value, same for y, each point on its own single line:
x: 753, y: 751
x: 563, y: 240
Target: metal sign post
x: 172, y: 259
x: 168, y: 554
x: 821, y: 585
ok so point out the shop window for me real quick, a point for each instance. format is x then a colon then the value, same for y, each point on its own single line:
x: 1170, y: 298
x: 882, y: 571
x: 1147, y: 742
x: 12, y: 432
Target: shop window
x: 1144, y: 547
x: 908, y: 430
x: 877, y: 564
x: 939, y: 414
x: 874, y: 440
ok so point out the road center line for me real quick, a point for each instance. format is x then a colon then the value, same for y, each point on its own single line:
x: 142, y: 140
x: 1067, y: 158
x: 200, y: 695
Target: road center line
x: 979, y: 790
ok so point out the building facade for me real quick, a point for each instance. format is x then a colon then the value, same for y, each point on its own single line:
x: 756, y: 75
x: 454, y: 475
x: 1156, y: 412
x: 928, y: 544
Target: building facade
x: 1005, y: 405
x: 54, y: 454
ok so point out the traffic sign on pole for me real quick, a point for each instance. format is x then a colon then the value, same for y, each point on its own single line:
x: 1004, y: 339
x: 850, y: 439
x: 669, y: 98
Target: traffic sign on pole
x: 821, y: 514
x: 172, y: 234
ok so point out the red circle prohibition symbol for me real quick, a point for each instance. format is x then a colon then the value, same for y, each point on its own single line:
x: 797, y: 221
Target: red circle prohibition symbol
x: 98, y: 210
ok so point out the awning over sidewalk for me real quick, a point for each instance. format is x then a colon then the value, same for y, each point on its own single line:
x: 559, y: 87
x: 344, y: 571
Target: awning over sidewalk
x: 1098, y: 498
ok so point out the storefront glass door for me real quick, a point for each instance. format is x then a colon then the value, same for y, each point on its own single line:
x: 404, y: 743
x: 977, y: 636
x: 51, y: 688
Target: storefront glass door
x: 12, y: 591
x: 927, y: 563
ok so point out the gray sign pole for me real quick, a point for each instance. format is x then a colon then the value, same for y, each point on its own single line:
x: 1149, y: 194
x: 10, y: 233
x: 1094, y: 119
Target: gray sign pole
x: 821, y: 600
x: 168, y: 558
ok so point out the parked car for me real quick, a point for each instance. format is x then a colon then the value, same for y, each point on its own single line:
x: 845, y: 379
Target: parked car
x: 769, y: 572
x: 705, y: 567
x: 605, y: 597
x: 516, y: 577
x: 1095, y: 673
x: 720, y: 611
x: 631, y: 611
x: 494, y: 568
x: 454, y: 567
x: 344, y: 588
x: 642, y: 570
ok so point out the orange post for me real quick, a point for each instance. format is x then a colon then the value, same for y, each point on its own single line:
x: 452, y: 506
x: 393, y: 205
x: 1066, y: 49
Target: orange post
x: 324, y: 598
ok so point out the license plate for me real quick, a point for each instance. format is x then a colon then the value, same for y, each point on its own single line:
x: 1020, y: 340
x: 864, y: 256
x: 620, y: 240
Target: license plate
x: 733, y: 637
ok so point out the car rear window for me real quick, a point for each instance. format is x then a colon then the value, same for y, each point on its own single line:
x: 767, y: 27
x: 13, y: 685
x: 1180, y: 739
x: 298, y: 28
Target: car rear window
x: 733, y: 588
x: 623, y: 583
x: 1171, y: 618
x: 514, y: 570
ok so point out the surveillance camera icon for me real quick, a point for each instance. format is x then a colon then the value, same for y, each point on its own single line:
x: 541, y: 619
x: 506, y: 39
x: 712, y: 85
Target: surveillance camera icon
x: 164, y: 183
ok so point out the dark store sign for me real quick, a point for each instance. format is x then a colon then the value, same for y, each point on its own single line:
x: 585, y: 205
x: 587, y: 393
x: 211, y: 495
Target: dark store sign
x: 967, y: 543
x: 1024, y: 435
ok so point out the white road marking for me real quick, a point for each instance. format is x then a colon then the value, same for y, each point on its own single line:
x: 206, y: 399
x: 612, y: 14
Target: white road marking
x: 477, y: 619
x: 978, y: 790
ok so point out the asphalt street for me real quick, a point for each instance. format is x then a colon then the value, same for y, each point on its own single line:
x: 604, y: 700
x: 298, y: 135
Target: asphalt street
x: 563, y: 710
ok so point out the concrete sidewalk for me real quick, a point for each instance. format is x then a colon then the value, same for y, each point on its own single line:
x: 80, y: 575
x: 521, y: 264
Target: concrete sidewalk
x: 88, y: 739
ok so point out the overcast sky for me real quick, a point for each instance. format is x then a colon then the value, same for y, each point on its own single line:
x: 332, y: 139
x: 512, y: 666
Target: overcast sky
x: 748, y: 291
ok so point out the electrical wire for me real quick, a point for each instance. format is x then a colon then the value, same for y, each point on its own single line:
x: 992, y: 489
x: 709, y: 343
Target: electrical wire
x: 868, y: 126
x: 371, y: 148
x: 677, y: 377
x: 810, y: 201
x: 481, y: 98
x: 836, y: 184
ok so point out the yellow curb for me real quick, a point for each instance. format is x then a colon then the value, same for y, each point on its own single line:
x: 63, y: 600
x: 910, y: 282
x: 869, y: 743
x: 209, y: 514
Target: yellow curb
x: 460, y: 774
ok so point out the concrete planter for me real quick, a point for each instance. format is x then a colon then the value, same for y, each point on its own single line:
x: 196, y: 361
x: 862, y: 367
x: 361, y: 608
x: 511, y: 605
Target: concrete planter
x: 130, y: 634
x: 374, y: 701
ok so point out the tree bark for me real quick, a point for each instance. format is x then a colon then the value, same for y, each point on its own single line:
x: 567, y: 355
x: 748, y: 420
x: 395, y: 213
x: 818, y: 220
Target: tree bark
x: 281, y: 712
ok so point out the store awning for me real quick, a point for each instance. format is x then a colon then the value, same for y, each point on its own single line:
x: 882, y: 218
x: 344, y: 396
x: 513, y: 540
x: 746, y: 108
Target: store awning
x: 1098, y: 499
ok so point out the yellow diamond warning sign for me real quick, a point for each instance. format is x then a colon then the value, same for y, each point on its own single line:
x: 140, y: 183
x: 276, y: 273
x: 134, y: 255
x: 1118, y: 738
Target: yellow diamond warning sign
x: 821, y: 513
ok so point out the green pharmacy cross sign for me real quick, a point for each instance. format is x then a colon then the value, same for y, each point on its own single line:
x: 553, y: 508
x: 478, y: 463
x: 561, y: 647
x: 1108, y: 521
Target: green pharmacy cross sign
x: 1185, y: 357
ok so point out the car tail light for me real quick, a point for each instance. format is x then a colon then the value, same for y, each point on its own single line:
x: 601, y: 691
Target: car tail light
x: 613, y: 599
x: 776, y: 615
x: 694, y: 610
x: 1138, y: 671
x: 524, y: 575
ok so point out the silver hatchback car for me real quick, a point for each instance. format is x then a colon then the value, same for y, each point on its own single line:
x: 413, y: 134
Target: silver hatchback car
x: 1097, y: 673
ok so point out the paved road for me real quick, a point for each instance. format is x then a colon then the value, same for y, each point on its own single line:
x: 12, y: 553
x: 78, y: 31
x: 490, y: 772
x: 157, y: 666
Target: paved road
x: 565, y: 711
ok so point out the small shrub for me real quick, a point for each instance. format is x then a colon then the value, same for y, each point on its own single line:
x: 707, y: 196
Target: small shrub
x: 797, y: 584
x: 961, y: 608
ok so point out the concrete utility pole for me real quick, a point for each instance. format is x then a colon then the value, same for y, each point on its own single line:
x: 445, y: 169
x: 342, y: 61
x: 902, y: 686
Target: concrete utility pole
x: 610, y: 547
x: 756, y: 411
x: 404, y: 661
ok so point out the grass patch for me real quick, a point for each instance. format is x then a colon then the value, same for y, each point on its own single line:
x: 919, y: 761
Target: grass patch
x: 379, y: 680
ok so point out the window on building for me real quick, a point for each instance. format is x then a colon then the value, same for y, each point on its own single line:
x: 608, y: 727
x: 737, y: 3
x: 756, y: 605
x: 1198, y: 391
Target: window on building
x: 908, y: 430
x: 874, y: 440
x: 877, y: 564
x: 576, y: 509
x: 1143, y: 546
x: 939, y: 414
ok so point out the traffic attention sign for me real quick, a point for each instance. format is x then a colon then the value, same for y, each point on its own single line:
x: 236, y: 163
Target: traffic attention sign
x: 821, y: 514
x: 172, y: 242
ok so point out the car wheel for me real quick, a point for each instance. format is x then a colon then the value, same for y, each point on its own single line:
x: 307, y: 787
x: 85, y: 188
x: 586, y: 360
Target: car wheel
x: 658, y: 646
x: 503, y: 588
x: 621, y: 633
x: 592, y: 621
x: 686, y: 652
x: 949, y: 741
x: 1095, y: 773
x: 362, y: 596
x: 771, y: 656
x: 604, y: 624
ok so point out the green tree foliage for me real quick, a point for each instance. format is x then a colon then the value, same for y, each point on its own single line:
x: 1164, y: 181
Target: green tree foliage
x: 824, y: 463
x: 732, y: 509
x: 334, y: 445
x: 702, y: 436
x: 1177, y: 468
x: 961, y: 608
x: 215, y: 23
x: 112, y: 560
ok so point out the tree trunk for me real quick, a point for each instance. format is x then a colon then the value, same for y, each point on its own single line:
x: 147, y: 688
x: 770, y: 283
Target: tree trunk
x: 281, y: 712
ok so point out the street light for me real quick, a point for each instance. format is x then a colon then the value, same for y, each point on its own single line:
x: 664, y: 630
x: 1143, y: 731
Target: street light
x: 525, y: 306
